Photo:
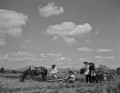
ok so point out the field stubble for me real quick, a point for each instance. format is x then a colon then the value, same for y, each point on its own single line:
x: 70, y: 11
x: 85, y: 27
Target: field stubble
x: 13, y: 85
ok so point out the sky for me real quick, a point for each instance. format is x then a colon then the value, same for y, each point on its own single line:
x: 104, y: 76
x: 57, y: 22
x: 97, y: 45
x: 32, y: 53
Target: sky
x: 61, y: 32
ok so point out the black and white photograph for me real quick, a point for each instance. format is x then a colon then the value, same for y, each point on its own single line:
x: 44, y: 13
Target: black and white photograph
x: 59, y: 46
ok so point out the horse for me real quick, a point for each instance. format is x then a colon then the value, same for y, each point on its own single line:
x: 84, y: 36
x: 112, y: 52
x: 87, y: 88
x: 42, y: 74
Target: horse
x: 36, y: 72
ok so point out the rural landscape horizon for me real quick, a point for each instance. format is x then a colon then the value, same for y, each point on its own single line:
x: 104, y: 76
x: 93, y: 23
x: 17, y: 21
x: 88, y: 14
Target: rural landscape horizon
x: 59, y: 46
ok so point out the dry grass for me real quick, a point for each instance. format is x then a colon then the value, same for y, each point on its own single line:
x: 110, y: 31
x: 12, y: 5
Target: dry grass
x: 12, y: 85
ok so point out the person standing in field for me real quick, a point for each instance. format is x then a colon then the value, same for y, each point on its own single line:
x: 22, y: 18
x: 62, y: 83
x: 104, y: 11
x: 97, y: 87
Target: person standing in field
x: 87, y: 72
x: 32, y: 69
x: 92, y: 72
x: 54, y: 72
x: 93, y: 77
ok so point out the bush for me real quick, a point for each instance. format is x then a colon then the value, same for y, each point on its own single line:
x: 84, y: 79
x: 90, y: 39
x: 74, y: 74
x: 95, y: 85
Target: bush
x: 82, y: 70
x: 2, y: 70
x: 118, y: 70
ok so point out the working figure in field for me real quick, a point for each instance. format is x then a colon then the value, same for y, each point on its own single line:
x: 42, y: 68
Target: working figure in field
x: 34, y: 71
x: 94, y: 75
x: 87, y: 72
x: 100, y: 74
x: 70, y: 78
x: 92, y: 72
x: 54, y: 72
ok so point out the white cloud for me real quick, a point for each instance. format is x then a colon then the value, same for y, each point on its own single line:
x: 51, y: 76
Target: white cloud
x: 16, y: 32
x: 26, y: 56
x: 50, y: 9
x: 100, y: 61
x: 69, y: 40
x: 20, y: 56
x: 63, y: 59
x: 50, y: 55
x: 54, y: 54
x: 84, y: 59
x: 84, y: 49
x: 22, y: 53
x: 11, y: 23
x: 5, y: 56
x: 104, y: 57
x: 104, y: 50
x: 68, y: 30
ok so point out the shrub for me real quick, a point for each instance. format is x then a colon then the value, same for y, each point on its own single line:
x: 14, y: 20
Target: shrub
x: 2, y: 70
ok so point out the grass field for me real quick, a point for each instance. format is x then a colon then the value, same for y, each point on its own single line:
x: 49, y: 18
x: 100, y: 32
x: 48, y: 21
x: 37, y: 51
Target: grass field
x: 9, y: 83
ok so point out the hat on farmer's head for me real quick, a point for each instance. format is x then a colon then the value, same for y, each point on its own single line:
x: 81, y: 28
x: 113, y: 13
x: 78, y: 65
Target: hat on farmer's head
x: 53, y: 65
x: 91, y: 63
x: 85, y: 62
x: 70, y: 71
x: 92, y: 66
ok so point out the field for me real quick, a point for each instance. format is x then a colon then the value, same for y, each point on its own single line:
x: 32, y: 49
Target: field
x: 9, y: 83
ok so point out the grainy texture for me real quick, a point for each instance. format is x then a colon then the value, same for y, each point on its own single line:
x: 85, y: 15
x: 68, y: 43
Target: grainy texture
x: 13, y: 85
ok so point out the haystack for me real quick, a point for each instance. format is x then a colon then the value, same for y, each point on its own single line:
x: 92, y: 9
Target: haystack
x: 103, y: 69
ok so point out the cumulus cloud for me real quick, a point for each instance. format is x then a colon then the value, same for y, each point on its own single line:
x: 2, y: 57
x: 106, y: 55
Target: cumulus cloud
x: 63, y: 59
x: 22, y: 53
x: 84, y: 59
x: 104, y: 57
x: 69, y: 40
x: 20, y: 56
x: 16, y: 32
x: 26, y: 56
x: 84, y: 49
x: 11, y: 23
x: 50, y: 9
x: 99, y: 61
x: 50, y: 54
x: 104, y: 50
x: 68, y: 31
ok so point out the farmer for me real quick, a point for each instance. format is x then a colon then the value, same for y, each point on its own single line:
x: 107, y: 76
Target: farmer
x: 53, y: 72
x: 93, y: 76
x: 70, y: 78
x: 92, y: 72
x: 32, y: 69
x: 87, y: 72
